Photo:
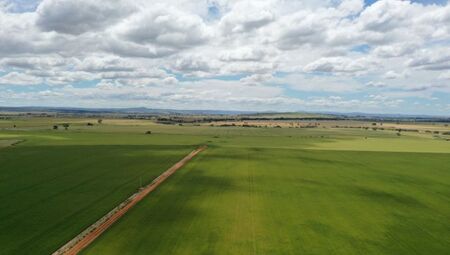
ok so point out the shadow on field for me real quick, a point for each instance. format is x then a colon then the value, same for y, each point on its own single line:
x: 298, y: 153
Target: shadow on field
x: 287, y: 154
x: 386, y: 197
x: 169, y: 213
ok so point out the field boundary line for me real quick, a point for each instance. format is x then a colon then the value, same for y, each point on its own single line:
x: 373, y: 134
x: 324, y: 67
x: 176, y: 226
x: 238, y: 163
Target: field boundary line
x: 86, y: 237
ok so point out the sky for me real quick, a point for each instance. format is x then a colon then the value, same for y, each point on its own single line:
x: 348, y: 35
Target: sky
x: 386, y: 56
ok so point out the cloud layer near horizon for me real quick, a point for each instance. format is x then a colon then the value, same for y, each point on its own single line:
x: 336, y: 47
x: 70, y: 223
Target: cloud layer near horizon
x: 390, y: 56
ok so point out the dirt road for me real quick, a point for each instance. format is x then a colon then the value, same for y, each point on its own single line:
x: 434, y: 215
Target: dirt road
x: 86, y: 237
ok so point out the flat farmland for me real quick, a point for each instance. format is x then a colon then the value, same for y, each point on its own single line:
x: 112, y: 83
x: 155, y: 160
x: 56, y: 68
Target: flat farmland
x: 253, y: 191
x: 51, y: 189
x: 235, y: 200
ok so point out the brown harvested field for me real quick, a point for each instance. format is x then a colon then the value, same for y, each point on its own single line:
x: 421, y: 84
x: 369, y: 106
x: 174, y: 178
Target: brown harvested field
x: 422, y: 127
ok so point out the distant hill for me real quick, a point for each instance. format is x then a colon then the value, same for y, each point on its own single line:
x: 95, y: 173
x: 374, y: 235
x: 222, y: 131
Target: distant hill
x: 138, y: 110
x: 240, y: 114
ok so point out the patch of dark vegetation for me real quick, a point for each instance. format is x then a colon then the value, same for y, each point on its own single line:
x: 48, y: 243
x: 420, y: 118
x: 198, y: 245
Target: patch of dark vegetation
x: 320, y: 228
x: 407, y: 130
x: 248, y: 126
x: 171, y: 120
x: 17, y: 142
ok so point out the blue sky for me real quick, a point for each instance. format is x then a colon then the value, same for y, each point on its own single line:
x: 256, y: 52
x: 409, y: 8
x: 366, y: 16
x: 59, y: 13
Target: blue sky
x: 385, y: 56
x: 426, y: 2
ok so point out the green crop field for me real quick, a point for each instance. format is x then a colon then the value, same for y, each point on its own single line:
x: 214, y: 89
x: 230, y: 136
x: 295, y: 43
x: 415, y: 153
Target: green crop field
x: 52, y: 186
x: 253, y: 191
x: 284, y: 201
